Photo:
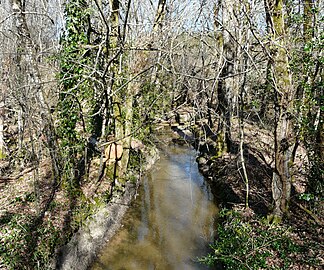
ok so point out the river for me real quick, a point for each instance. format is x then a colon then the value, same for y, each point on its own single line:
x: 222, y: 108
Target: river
x: 171, y: 221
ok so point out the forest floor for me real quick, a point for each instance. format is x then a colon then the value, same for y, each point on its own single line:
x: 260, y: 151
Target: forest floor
x: 33, y: 223
x: 304, y: 226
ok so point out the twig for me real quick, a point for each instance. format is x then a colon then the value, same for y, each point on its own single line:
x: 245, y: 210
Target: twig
x: 11, y: 178
x: 317, y: 220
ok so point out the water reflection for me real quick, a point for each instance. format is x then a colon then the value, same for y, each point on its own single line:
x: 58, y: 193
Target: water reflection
x: 169, y: 224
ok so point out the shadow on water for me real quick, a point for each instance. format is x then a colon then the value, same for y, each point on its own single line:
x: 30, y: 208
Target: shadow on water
x: 171, y: 222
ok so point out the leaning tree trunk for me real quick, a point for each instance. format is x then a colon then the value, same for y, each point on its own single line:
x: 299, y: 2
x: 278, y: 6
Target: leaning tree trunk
x: 284, y: 97
x: 159, y: 16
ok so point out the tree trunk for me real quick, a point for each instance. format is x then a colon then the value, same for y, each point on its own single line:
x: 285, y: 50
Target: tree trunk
x: 159, y: 16
x: 228, y: 81
x: 123, y: 105
x: 284, y: 97
x: 117, y: 99
x: 2, y: 116
x: 312, y: 97
x: 308, y: 20
x: 27, y: 56
x: 156, y: 33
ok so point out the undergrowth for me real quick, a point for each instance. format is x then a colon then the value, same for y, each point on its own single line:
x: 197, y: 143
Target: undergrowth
x: 26, y: 244
x: 30, y: 241
x: 256, y: 244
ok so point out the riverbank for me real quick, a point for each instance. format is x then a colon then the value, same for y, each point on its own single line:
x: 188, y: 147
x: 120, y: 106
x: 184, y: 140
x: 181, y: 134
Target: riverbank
x: 63, y: 230
x: 245, y: 237
x: 83, y: 248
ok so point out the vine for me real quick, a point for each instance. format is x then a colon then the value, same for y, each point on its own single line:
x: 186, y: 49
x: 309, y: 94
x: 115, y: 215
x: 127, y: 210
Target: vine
x: 76, y: 97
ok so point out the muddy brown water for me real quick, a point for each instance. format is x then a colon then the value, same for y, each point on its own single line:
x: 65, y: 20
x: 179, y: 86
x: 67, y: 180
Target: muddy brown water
x: 170, y: 223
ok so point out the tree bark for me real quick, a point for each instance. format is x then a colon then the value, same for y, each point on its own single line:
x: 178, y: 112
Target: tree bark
x: 113, y: 47
x: 123, y: 105
x: 159, y: 16
x: 312, y: 97
x: 308, y: 20
x: 228, y: 81
x: 2, y: 116
x: 284, y: 97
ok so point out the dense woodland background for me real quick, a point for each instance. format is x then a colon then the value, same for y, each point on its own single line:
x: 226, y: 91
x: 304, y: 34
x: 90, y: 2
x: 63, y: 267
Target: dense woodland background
x: 79, y: 76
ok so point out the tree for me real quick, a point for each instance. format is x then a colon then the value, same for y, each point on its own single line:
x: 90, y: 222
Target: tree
x: 3, y: 86
x: 227, y: 85
x: 311, y: 93
x: 281, y: 82
x: 126, y: 84
x: 36, y: 120
x: 75, y: 90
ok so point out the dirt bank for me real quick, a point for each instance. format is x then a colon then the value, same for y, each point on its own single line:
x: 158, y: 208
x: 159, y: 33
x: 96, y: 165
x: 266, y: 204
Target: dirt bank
x: 79, y: 253
x: 83, y: 248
